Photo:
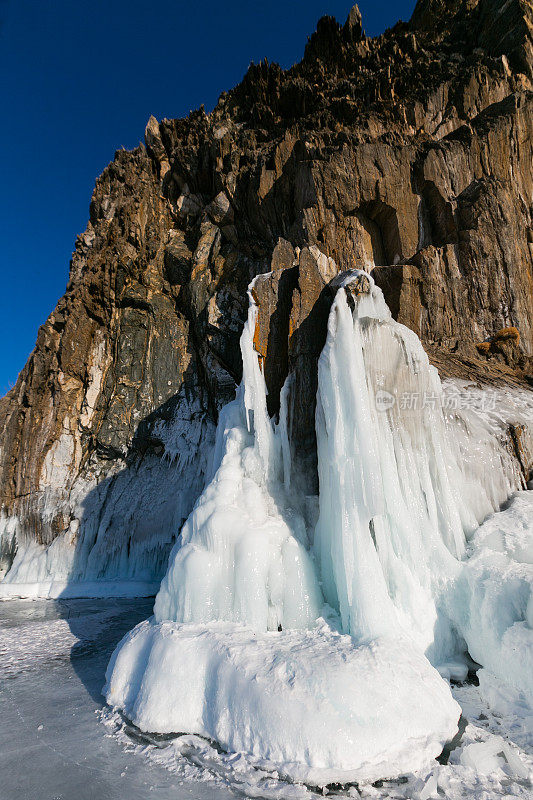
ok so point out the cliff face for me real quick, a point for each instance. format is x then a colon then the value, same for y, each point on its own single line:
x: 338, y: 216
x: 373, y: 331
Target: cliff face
x: 409, y: 154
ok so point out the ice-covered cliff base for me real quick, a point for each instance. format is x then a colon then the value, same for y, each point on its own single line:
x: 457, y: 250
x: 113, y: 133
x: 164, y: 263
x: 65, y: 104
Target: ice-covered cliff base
x: 310, y: 703
x: 121, y: 528
x: 238, y: 650
x: 317, y: 708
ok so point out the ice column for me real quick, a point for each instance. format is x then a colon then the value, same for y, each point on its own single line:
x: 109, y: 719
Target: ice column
x: 389, y: 529
x: 242, y: 555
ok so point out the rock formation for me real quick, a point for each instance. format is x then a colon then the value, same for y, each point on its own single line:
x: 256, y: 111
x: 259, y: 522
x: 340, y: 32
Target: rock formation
x: 409, y: 154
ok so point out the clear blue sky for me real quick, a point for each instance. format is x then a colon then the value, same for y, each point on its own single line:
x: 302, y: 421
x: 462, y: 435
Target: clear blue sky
x: 79, y: 79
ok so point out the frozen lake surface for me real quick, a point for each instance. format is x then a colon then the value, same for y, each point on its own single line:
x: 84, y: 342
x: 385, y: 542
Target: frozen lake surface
x: 53, y: 745
x: 58, y: 740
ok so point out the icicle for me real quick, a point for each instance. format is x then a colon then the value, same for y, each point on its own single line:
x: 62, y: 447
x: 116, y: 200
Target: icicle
x: 254, y: 390
x: 241, y: 555
x: 389, y: 521
x: 284, y: 431
x: 398, y: 486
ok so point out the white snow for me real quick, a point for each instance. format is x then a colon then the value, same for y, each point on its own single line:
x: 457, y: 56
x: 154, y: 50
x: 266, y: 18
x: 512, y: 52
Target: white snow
x: 509, y: 531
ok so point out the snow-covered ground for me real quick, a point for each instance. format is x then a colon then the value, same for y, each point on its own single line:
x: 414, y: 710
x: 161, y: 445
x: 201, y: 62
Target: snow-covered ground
x: 59, y: 740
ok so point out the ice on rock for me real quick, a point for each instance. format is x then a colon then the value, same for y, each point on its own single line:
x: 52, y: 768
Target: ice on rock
x: 242, y: 555
x: 122, y: 528
x: 389, y: 521
x: 319, y: 705
x: 239, y: 650
x: 399, y: 495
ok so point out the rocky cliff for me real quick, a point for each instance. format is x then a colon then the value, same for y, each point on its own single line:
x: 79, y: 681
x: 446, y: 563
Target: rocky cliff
x: 409, y: 154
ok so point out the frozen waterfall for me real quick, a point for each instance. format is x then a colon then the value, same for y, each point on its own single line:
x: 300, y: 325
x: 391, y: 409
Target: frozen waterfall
x: 315, y: 649
x: 243, y: 553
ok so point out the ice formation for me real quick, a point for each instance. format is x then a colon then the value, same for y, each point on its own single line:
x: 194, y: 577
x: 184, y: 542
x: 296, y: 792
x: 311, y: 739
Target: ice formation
x: 409, y: 580
x: 487, y: 757
x: 122, y: 528
x: 389, y: 523
x: 398, y: 497
x: 311, y: 703
x: 243, y: 553
x: 237, y: 613
x: 493, y: 596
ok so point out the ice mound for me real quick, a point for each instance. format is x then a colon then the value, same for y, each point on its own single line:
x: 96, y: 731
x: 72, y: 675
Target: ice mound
x: 236, y: 651
x: 493, y: 596
x: 509, y: 531
x: 313, y: 703
x: 490, y: 756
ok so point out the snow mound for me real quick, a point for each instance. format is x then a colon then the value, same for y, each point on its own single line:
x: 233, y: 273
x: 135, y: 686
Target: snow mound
x: 313, y: 703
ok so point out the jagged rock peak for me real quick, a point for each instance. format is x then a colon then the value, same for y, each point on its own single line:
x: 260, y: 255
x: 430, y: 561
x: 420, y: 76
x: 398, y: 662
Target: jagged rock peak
x: 500, y: 27
x: 428, y: 13
x: 353, y: 27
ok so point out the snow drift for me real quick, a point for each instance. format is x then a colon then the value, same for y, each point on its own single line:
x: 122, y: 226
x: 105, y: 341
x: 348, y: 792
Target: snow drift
x: 239, y: 650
